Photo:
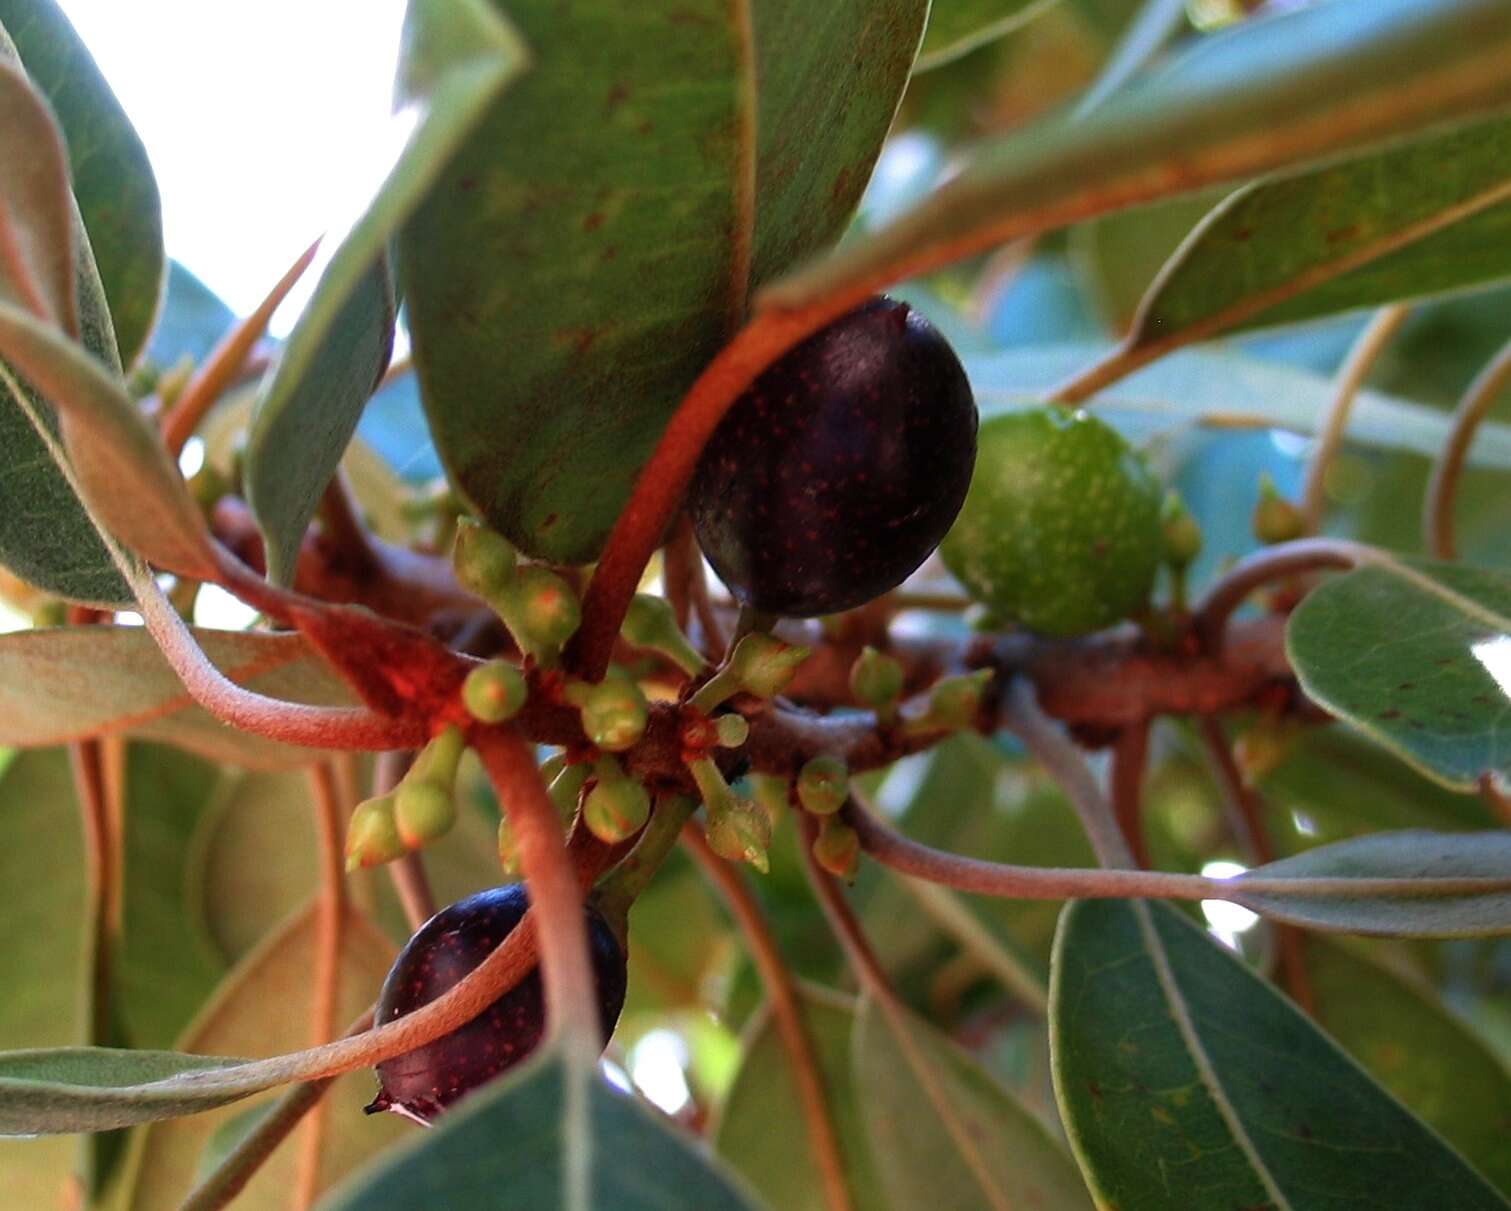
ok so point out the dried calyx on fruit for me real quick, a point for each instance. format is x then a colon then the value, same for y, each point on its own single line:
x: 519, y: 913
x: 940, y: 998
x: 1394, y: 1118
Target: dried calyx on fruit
x: 832, y: 478
x: 420, y: 1084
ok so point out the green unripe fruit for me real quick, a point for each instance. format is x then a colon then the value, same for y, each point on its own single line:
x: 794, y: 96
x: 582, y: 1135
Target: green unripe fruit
x: 823, y: 785
x: 494, y: 692
x: 837, y: 849
x: 423, y: 812
x: 372, y: 836
x: 616, y: 809
x: 484, y: 561
x: 1061, y: 528
x: 614, y: 714
x: 876, y: 680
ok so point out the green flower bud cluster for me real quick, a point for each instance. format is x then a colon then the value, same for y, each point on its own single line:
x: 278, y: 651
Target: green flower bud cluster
x: 420, y: 810
x: 538, y: 606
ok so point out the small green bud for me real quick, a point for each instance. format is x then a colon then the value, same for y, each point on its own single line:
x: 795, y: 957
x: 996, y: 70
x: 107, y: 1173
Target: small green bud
x: 651, y: 623
x: 484, y: 561
x: 876, y: 681
x: 837, y: 849
x: 372, y: 836
x: 508, y: 847
x: 764, y: 666
x: 494, y: 692
x: 732, y: 730
x: 1180, y: 533
x: 1275, y: 519
x: 423, y: 812
x: 614, y: 714
x: 616, y: 809
x: 954, y: 703
x: 541, y: 611
x: 823, y: 785
x: 438, y: 760
x: 737, y: 829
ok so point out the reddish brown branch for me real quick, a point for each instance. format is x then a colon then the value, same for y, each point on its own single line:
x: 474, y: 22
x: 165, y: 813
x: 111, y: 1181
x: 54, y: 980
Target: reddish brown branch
x: 1129, y: 757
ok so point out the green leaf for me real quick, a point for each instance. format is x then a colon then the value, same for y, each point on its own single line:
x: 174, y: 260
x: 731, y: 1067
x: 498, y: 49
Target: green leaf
x: 1186, y: 1080
x: 1398, y: 1029
x: 959, y: 26
x: 760, y: 1129
x: 42, y: 959
x: 1222, y: 389
x: 944, y: 1133
x: 70, y: 1089
x: 165, y: 1159
x: 121, y: 467
x: 112, y: 177
x: 307, y: 413
x: 593, y: 245
x: 166, y: 965
x: 1271, y: 94
x: 66, y: 683
x: 1427, y: 218
x: 459, y: 54
x: 503, y: 1150
x: 36, y: 212
x: 1422, y: 912
x: 1418, y: 656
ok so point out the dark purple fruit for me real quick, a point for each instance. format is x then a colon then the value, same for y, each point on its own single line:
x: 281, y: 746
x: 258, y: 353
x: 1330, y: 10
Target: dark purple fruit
x: 421, y: 1083
x: 839, y: 470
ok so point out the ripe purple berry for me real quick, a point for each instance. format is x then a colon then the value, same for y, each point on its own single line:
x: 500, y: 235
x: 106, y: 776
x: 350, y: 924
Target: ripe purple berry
x: 420, y: 1084
x: 839, y: 470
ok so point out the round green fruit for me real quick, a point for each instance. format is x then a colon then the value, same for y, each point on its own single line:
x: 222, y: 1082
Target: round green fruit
x: 1061, y: 528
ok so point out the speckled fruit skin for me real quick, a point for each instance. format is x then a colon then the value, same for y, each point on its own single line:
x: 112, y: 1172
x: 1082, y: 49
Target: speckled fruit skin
x: 1061, y: 529
x: 840, y: 469
x: 422, y: 1083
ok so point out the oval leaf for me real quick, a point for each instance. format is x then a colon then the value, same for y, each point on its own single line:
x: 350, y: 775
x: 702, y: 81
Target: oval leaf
x: 1186, y: 1080
x: 503, y: 1150
x: 1418, y: 656
x: 594, y: 243
x: 68, y: 683
x: 121, y: 468
x: 1428, y: 218
x: 112, y: 177
x: 1432, y: 909
x: 1267, y: 95
x: 761, y: 1130
x: 36, y: 213
x: 944, y: 1133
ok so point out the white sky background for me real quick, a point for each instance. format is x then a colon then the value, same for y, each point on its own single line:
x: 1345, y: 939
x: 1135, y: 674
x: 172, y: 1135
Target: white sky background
x: 262, y: 120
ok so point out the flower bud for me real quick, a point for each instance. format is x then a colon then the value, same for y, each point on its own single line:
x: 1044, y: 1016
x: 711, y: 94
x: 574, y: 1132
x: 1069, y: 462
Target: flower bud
x: 372, y: 837
x: 484, y: 561
x: 508, y: 847
x: 954, y: 703
x: 732, y: 730
x: 650, y: 623
x: 614, y: 714
x: 876, y: 681
x: 1179, y: 532
x: 737, y: 829
x: 494, y: 692
x: 438, y: 760
x: 541, y: 611
x: 837, y: 849
x: 1276, y: 519
x: 423, y: 812
x: 764, y: 666
x: 616, y: 809
x: 823, y: 785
